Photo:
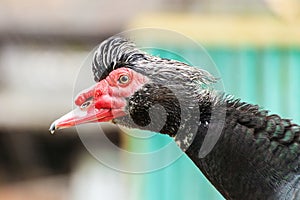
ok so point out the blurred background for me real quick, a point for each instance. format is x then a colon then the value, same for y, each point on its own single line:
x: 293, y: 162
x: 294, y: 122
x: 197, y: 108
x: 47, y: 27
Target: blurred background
x: 254, y: 44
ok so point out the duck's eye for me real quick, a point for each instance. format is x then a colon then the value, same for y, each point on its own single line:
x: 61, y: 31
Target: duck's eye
x: 85, y: 104
x: 123, y: 79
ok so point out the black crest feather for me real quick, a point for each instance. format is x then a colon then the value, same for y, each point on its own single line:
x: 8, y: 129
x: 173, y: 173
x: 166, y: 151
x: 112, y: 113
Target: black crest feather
x: 113, y: 53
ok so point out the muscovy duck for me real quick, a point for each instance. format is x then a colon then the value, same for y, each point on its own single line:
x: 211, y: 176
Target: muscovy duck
x: 248, y: 153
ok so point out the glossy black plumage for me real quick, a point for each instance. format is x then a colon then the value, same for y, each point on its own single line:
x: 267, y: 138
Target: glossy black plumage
x: 256, y: 156
x: 250, y: 161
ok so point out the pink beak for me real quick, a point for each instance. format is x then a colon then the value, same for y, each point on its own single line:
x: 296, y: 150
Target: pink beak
x: 96, y: 104
x: 77, y: 116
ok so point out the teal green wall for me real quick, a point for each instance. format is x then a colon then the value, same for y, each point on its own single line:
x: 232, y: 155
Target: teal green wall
x: 269, y: 77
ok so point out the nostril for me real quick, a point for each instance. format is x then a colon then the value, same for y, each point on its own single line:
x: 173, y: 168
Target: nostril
x: 85, y: 104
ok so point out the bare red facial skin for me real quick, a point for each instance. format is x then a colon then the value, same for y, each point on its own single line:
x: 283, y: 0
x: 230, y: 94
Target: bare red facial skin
x: 105, y: 100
